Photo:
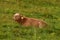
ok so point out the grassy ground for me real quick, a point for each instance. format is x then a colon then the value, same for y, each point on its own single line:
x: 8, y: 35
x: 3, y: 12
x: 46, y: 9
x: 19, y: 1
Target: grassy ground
x: 47, y: 10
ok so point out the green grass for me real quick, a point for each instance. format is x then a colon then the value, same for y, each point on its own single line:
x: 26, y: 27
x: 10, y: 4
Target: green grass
x: 47, y: 10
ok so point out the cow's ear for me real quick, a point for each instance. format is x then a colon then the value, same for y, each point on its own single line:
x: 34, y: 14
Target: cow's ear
x: 22, y: 17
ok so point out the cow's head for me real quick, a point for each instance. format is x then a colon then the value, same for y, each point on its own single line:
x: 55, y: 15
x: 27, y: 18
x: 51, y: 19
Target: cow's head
x: 17, y: 17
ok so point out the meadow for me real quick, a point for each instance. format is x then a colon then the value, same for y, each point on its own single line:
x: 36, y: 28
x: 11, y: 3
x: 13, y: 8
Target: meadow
x: 47, y: 10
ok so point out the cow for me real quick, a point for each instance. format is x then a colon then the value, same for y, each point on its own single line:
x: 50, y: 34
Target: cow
x: 26, y: 21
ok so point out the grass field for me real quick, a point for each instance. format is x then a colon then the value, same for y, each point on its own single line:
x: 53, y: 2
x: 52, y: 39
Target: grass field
x: 47, y: 10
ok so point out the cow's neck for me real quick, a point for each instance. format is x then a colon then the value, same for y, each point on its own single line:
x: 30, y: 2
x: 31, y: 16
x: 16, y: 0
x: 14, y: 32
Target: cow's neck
x: 22, y: 21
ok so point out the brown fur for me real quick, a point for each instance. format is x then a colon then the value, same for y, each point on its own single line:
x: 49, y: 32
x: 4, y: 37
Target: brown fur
x: 26, y: 21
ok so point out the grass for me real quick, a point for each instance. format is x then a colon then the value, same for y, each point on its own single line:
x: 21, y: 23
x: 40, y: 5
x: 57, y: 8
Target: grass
x: 47, y: 10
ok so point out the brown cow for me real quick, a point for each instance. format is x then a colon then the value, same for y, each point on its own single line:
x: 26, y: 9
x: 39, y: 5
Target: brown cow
x: 26, y: 21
